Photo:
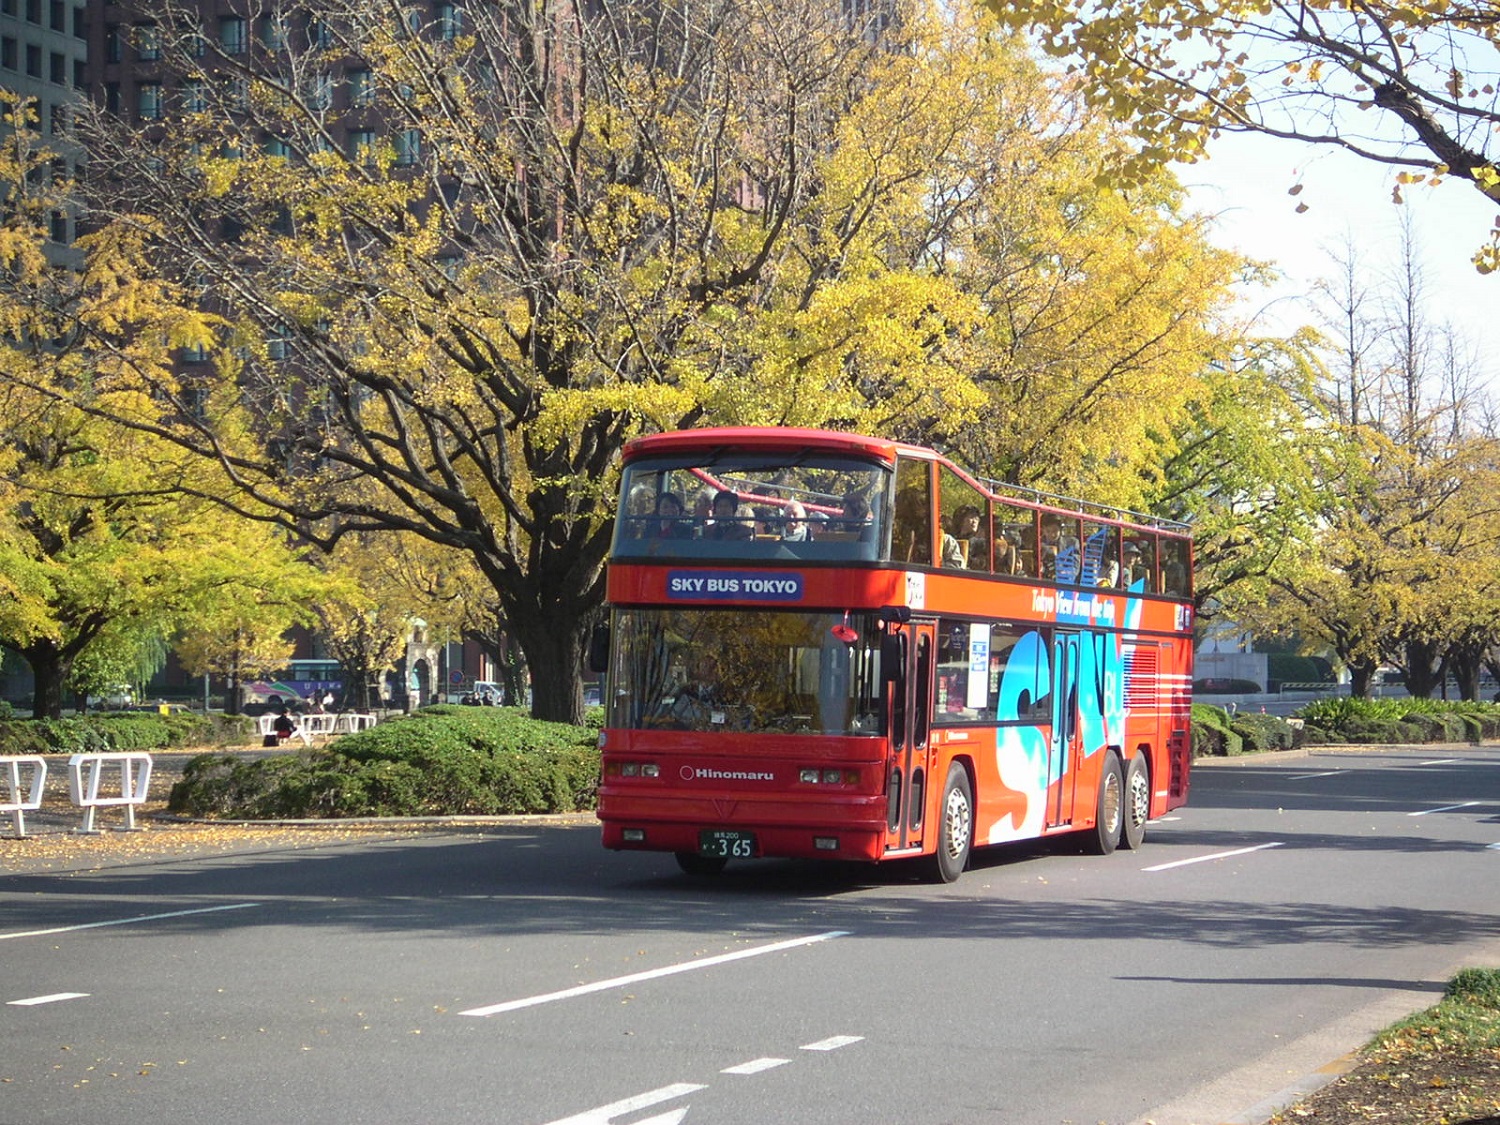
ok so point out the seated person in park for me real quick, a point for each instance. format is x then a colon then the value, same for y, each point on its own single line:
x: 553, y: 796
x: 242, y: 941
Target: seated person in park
x: 284, y: 725
x: 727, y: 522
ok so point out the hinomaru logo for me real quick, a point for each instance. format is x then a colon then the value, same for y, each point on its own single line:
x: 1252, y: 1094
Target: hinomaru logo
x: 701, y: 773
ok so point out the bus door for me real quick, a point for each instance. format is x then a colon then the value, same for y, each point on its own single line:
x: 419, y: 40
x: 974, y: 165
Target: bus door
x: 911, y: 734
x: 1063, y: 750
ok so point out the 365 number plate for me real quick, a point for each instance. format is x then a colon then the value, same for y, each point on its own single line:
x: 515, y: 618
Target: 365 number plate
x: 725, y: 844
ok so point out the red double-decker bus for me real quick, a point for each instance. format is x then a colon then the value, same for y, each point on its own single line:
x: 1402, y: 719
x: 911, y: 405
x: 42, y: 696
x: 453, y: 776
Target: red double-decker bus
x: 825, y: 645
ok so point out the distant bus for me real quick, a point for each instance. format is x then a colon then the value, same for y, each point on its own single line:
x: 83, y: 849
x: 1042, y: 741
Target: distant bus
x: 831, y: 646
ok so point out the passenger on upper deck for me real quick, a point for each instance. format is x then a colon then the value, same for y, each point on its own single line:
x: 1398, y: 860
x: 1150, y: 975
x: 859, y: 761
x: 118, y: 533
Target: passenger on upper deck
x: 726, y: 523
x: 794, y: 525
x: 965, y: 526
x: 856, y: 514
x: 670, y: 524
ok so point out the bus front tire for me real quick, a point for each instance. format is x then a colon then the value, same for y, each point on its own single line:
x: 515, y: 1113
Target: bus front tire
x: 1137, y: 809
x: 1110, y: 810
x: 695, y: 864
x: 955, y: 827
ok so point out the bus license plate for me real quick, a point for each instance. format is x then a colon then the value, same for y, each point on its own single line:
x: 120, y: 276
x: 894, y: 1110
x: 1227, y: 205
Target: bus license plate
x: 725, y: 844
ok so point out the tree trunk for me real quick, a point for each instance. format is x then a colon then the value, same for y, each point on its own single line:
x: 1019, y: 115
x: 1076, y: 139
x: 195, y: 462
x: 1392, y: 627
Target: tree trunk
x: 1424, y: 671
x: 50, y: 670
x: 553, y: 646
x: 1361, y: 676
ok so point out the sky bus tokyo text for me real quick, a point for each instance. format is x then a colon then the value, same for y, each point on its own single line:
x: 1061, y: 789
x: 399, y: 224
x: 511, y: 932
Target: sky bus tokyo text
x: 825, y: 645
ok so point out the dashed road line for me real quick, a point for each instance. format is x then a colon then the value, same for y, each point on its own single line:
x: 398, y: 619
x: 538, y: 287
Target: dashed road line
x: 651, y: 974
x: 833, y: 1043
x: 127, y: 921
x: 755, y: 1066
x: 1445, y: 808
x: 606, y: 1114
x: 1216, y: 855
x: 33, y: 1001
x: 1305, y: 776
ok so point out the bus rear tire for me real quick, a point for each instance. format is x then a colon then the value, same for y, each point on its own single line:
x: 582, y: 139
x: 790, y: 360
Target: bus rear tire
x: 1110, y: 811
x: 695, y: 864
x: 1137, y: 802
x: 955, y: 827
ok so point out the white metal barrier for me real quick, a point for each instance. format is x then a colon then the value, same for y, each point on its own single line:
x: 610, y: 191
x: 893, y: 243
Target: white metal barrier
x: 86, y: 778
x: 15, y: 804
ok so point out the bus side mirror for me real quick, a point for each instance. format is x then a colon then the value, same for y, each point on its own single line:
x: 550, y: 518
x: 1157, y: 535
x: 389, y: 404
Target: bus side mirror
x: 892, y: 656
x: 599, y: 649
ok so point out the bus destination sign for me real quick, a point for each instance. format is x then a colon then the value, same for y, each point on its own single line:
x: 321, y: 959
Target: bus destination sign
x: 738, y: 585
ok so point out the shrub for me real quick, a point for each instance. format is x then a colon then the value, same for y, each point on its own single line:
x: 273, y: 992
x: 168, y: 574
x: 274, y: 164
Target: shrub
x: 1212, y: 736
x: 1262, y: 732
x: 444, y: 760
x: 121, y: 731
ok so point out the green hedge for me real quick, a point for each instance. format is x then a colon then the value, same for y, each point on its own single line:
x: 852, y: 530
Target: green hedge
x: 118, y: 731
x: 1346, y: 719
x: 1212, y: 736
x: 441, y: 761
x: 1263, y: 732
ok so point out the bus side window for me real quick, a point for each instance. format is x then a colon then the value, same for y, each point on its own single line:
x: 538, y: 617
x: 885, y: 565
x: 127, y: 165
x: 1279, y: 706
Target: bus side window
x: 1175, y: 576
x: 911, y: 526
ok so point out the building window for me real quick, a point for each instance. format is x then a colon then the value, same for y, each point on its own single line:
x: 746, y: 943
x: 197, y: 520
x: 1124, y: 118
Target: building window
x: 57, y: 68
x: 114, y: 43
x: 33, y: 60
x: 320, y: 91
x: 319, y: 34
x: 112, y: 97
x: 361, y: 87
x: 148, y: 101
x: 59, y: 224
x: 195, y: 353
x: 34, y: 10
x: 8, y: 52
x: 277, y: 146
x: 80, y: 74
x: 450, y: 20
x: 237, y: 93
x: 80, y: 22
x: 194, y: 96
x: 233, y: 35
x: 58, y: 13
x: 408, y: 147
x: 362, y: 146
x: 7, y: 7
x: 273, y: 33
x: 147, y: 43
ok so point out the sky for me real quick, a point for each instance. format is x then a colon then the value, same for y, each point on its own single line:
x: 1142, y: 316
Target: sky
x: 1246, y: 183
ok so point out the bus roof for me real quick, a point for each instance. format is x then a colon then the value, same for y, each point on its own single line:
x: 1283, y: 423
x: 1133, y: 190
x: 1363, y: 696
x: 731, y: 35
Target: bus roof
x: 768, y: 437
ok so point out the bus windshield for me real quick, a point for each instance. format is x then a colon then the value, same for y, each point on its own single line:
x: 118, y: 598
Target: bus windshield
x: 728, y: 670
x: 752, y: 505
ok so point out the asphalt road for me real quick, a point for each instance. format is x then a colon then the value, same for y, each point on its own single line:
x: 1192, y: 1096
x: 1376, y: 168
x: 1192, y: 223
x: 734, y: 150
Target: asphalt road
x: 520, y: 974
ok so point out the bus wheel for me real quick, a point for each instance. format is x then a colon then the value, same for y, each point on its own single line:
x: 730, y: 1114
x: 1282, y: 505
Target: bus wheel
x: 1110, y: 811
x: 695, y: 864
x: 1137, y: 802
x: 955, y: 826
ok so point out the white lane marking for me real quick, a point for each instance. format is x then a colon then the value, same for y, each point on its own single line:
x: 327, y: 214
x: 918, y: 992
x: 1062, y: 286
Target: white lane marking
x: 1445, y: 808
x: 671, y: 1117
x: 1216, y: 855
x: 127, y: 921
x: 1492, y: 847
x: 755, y: 1066
x: 603, y: 1114
x: 1305, y: 776
x: 833, y: 1043
x: 1439, y: 762
x: 651, y: 974
x: 56, y: 996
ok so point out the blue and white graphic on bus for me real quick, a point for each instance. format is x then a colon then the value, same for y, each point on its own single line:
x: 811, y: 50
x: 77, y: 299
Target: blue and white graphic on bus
x: 1091, y: 678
